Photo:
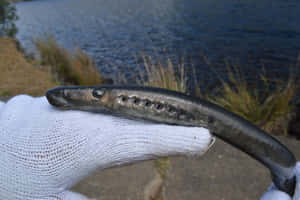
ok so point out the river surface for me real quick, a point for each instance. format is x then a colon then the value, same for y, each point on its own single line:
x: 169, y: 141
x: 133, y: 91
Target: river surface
x: 252, y: 33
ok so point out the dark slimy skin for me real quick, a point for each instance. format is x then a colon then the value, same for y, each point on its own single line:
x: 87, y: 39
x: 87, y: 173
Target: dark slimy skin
x: 165, y: 106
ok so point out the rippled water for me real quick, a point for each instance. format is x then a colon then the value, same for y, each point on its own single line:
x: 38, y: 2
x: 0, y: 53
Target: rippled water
x: 255, y: 32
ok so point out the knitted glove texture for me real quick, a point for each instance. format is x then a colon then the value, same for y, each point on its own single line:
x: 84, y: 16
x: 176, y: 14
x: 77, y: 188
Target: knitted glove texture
x: 44, y: 151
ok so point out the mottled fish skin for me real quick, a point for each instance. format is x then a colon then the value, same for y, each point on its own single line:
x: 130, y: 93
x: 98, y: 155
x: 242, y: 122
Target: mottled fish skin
x: 165, y: 106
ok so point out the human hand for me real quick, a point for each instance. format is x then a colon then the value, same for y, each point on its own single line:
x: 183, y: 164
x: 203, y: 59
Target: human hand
x: 44, y: 151
x: 274, y: 194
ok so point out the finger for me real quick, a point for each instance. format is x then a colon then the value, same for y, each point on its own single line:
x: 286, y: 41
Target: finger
x: 113, y: 144
x: 275, y: 195
x: 297, y: 189
x: 106, y: 141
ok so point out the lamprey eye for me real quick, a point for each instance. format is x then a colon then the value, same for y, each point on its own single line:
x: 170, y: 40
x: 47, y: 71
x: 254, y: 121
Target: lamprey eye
x: 98, y: 93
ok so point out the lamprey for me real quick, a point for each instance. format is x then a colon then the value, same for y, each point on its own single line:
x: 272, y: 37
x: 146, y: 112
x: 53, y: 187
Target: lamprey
x: 165, y: 106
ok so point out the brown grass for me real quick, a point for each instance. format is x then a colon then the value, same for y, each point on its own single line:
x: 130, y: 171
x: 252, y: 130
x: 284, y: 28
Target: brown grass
x: 18, y: 75
x: 270, y: 109
x: 69, y: 68
x: 164, y: 75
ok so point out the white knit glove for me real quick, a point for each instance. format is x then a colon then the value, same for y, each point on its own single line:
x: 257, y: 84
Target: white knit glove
x: 44, y: 151
x: 274, y: 194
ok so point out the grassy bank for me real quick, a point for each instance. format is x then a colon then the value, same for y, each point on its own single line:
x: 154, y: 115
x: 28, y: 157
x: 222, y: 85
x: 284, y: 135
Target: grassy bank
x: 67, y: 67
x: 19, y: 75
x: 56, y: 66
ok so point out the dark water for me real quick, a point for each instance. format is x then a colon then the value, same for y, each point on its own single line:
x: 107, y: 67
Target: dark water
x: 251, y: 33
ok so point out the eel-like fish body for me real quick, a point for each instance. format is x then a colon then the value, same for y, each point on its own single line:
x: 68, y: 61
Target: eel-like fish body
x: 165, y: 106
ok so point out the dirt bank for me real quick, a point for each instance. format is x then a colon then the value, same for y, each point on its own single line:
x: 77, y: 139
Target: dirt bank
x: 18, y: 75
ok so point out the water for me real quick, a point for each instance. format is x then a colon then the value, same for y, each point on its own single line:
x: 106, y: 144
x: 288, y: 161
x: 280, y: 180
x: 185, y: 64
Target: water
x: 251, y: 33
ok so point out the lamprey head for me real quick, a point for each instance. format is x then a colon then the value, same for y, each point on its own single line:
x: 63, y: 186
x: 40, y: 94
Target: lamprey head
x: 82, y: 98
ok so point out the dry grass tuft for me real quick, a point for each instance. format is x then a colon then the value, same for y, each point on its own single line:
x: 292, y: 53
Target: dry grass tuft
x: 269, y: 109
x: 168, y: 76
x: 86, y: 69
x: 69, y: 68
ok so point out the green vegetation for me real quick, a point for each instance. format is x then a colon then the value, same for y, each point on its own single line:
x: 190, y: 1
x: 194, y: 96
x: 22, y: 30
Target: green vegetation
x: 68, y: 68
x: 269, y: 109
x: 7, y: 18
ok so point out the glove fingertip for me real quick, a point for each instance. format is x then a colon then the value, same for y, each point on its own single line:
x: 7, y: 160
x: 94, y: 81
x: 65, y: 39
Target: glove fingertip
x: 275, y: 195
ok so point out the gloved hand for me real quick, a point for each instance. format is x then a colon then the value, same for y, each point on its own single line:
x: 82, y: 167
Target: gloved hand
x: 274, y: 194
x: 44, y: 151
